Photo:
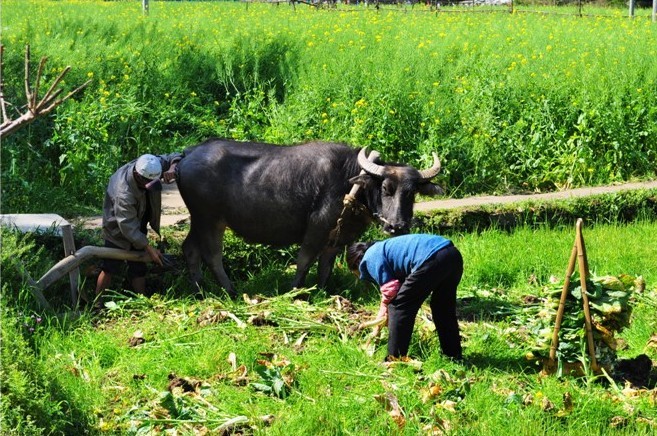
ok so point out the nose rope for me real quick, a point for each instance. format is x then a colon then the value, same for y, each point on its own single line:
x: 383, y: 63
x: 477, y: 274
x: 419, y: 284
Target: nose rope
x: 381, y: 218
x: 385, y: 221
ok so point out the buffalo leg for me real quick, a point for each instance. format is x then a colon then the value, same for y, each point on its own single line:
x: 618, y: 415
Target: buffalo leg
x: 325, y: 265
x: 210, y: 248
x: 192, y: 253
x: 306, y: 257
x: 212, y: 253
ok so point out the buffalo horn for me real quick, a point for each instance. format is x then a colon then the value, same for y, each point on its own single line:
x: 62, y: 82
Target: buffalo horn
x: 432, y: 172
x: 369, y: 166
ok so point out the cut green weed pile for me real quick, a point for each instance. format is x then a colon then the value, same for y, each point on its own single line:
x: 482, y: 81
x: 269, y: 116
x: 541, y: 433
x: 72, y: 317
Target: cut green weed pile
x: 610, y: 303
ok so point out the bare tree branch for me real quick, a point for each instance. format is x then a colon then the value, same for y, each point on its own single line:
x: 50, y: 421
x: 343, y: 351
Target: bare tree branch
x: 35, y: 107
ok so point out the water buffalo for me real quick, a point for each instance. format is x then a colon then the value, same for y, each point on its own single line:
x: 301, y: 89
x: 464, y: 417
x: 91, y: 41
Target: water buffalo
x: 284, y: 195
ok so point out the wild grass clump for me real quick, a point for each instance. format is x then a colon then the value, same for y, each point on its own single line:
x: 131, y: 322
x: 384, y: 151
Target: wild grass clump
x: 511, y: 102
x: 33, y: 400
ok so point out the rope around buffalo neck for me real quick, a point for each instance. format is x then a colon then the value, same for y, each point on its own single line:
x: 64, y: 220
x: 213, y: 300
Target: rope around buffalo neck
x: 349, y: 203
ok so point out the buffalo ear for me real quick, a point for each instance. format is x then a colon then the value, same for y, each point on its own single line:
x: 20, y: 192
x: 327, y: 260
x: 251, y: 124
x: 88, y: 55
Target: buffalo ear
x: 430, y: 189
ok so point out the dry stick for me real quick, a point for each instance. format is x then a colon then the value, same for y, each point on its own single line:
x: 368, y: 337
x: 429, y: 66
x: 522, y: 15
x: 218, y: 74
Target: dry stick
x: 47, y: 97
x: 59, y: 101
x: 582, y: 248
x: 28, y: 93
x: 35, y: 108
x: 583, y: 274
x: 37, y: 83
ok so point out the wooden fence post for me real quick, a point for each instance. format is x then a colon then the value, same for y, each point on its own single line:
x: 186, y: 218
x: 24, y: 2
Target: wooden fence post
x: 74, y: 274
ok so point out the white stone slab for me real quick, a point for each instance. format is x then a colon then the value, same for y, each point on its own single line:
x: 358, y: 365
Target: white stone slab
x: 34, y: 222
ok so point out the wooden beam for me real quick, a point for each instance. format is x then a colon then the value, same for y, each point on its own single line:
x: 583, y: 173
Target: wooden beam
x: 73, y: 261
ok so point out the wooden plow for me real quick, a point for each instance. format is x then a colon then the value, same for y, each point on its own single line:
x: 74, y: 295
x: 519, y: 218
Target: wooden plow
x: 72, y: 260
x: 70, y: 264
x: 577, y: 256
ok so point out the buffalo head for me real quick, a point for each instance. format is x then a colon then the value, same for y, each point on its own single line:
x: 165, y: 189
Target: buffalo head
x: 390, y: 189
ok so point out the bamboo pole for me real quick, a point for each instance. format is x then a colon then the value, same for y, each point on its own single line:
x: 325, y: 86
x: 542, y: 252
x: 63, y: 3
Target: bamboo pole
x: 562, y: 305
x: 583, y: 275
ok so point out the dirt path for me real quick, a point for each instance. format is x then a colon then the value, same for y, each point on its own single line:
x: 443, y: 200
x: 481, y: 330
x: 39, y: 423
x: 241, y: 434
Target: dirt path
x: 505, y: 199
x: 174, y: 210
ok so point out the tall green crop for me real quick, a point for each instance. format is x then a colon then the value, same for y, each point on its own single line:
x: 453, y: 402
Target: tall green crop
x: 509, y: 101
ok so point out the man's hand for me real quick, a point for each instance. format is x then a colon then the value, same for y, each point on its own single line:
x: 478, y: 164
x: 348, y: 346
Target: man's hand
x: 169, y: 176
x: 155, y: 255
x: 379, y: 321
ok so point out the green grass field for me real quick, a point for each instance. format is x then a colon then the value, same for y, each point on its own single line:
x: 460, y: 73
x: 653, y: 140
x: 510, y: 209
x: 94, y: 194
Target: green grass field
x: 278, y: 365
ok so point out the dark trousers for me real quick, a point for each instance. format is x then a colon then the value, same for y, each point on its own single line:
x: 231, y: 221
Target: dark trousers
x: 115, y: 266
x: 439, y: 276
x: 135, y: 269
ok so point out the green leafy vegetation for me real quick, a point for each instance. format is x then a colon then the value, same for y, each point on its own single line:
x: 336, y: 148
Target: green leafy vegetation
x: 511, y: 102
x: 621, y: 207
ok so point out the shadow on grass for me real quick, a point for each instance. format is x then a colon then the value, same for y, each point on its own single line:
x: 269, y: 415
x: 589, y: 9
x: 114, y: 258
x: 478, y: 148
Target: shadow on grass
x: 268, y: 279
x: 502, y: 363
x: 473, y: 309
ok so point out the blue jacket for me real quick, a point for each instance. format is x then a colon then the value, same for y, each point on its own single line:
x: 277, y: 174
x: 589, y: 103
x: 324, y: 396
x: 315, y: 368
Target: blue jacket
x: 397, y: 257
